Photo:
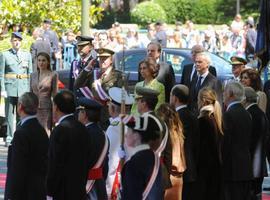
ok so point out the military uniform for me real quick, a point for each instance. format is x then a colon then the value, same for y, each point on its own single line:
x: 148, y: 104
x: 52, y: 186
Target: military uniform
x: 78, y: 65
x: 98, y: 166
x: 114, y: 134
x: 15, y: 70
x: 99, y: 87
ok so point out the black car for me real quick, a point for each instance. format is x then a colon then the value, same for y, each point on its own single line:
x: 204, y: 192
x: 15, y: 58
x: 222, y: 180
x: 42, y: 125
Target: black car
x: 176, y: 57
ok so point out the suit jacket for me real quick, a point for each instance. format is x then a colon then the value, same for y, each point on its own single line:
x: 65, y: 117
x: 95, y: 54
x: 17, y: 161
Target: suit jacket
x: 12, y: 64
x: 69, y: 158
x: 191, y: 144
x: 166, y: 77
x: 210, y: 81
x: 27, y: 162
x: 187, y: 70
x: 97, y: 141
x: 136, y: 174
x: 237, y: 164
x: 259, y: 137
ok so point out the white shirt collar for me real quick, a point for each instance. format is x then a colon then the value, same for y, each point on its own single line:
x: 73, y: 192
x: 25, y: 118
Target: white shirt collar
x: 63, y: 117
x: 113, y: 119
x: 138, y: 148
x: 180, y: 107
x: 89, y: 123
x: 232, y: 103
x: 250, y: 105
x: 27, y: 118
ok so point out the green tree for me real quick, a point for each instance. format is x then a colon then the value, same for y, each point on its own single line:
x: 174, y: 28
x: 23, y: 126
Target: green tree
x: 148, y: 12
x: 65, y: 13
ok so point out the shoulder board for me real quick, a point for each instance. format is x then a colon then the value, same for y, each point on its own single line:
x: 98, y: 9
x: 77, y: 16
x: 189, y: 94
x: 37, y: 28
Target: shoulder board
x: 115, y: 123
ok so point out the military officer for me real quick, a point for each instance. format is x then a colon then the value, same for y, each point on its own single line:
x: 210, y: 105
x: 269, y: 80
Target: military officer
x: 238, y: 65
x: 87, y: 55
x: 100, y: 84
x: 89, y: 115
x: 15, y: 70
x: 114, y: 134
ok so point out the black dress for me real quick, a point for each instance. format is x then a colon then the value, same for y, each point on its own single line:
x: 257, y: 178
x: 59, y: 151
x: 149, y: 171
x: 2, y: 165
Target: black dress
x: 209, y: 165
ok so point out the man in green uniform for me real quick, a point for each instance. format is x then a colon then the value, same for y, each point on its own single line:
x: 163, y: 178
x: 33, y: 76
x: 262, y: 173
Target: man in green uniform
x: 15, y: 70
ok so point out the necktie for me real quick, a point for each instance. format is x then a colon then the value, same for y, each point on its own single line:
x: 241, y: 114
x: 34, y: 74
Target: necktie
x: 194, y: 76
x: 198, y: 84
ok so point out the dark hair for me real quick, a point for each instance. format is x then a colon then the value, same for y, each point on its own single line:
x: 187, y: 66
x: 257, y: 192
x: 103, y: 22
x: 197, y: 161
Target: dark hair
x: 255, y: 79
x: 93, y: 115
x: 182, y: 96
x: 65, y: 101
x: 158, y: 45
x: 29, y: 102
x: 151, y: 65
x: 150, y: 101
x: 47, y: 56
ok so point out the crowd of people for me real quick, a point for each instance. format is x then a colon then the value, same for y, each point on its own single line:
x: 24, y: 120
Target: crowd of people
x: 197, y: 139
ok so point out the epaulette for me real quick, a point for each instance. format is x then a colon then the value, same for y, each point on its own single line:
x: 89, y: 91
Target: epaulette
x: 115, y: 123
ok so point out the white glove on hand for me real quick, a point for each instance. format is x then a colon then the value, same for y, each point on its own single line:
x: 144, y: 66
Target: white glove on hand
x: 49, y: 198
x: 3, y: 94
x: 121, y: 153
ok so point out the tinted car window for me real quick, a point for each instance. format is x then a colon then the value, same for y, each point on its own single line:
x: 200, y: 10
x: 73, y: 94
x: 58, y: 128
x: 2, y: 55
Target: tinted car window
x: 131, y: 61
x: 177, y: 62
x: 222, y: 66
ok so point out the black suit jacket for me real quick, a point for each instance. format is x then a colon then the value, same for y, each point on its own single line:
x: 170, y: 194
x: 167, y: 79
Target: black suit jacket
x: 97, y: 142
x: 191, y: 145
x: 167, y: 77
x: 237, y: 164
x: 259, y: 137
x: 27, y: 162
x: 187, y: 70
x: 210, y: 81
x: 68, y: 160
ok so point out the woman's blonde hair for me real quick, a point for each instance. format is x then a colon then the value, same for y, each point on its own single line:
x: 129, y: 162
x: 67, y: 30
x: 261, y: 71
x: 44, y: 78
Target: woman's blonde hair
x: 168, y: 114
x: 207, y: 96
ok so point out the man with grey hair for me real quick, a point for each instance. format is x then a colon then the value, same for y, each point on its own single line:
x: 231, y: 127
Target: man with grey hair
x: 259, y: 141
x: 27, y: 154
x: 237, y: 164
x: 204, y: 79
x: 189, y: 71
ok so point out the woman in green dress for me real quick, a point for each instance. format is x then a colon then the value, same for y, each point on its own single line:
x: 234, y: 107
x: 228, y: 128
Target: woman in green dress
x: 148, y: 70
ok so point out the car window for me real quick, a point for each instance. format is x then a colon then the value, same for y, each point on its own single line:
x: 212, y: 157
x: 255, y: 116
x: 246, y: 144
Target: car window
x: 177, y: 61
x: 131, y: 61
x: 222, y: 66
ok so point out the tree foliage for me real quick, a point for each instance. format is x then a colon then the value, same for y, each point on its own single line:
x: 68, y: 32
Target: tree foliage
x: 65, y: 14
x: 148, y: 12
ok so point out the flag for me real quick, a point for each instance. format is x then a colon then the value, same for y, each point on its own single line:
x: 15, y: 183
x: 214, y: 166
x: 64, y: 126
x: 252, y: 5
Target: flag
x: 262, y: 49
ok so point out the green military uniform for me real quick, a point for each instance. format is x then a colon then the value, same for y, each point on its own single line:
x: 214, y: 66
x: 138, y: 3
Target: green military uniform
x: 15, y: 69
x: 99, y: 85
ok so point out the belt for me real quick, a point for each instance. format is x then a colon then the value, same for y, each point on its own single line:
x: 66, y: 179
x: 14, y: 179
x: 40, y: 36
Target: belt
x: 17, y: 76
x: 94, y: 174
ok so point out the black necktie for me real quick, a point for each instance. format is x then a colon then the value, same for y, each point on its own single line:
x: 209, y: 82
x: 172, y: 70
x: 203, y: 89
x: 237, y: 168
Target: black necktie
x: 194, y: 76
x: 198, y: 84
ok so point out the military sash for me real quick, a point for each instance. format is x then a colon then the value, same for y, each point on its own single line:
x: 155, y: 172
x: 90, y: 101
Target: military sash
x: 90, y: 182
x: 100, y: 91
x: 84, y: 90
x: 152, y: 178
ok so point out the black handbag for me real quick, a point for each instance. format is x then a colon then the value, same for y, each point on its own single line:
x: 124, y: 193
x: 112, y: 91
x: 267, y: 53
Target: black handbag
x: 3, y: 127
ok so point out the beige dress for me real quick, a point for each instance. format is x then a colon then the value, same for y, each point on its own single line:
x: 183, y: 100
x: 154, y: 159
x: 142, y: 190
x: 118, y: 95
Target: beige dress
x: 45, y: 90
x: 178, y: 166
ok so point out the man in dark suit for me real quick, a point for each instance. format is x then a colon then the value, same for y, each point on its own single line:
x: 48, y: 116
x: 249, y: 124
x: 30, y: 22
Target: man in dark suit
x: 179, y: 99
x: 204, y: 79
x: 165, y: 71
x: 27, y: 154
x: 237, y: 163
x: 68, y: 151
x: 189, y: 71
x: 259, y: 139
x: 89, y: 115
